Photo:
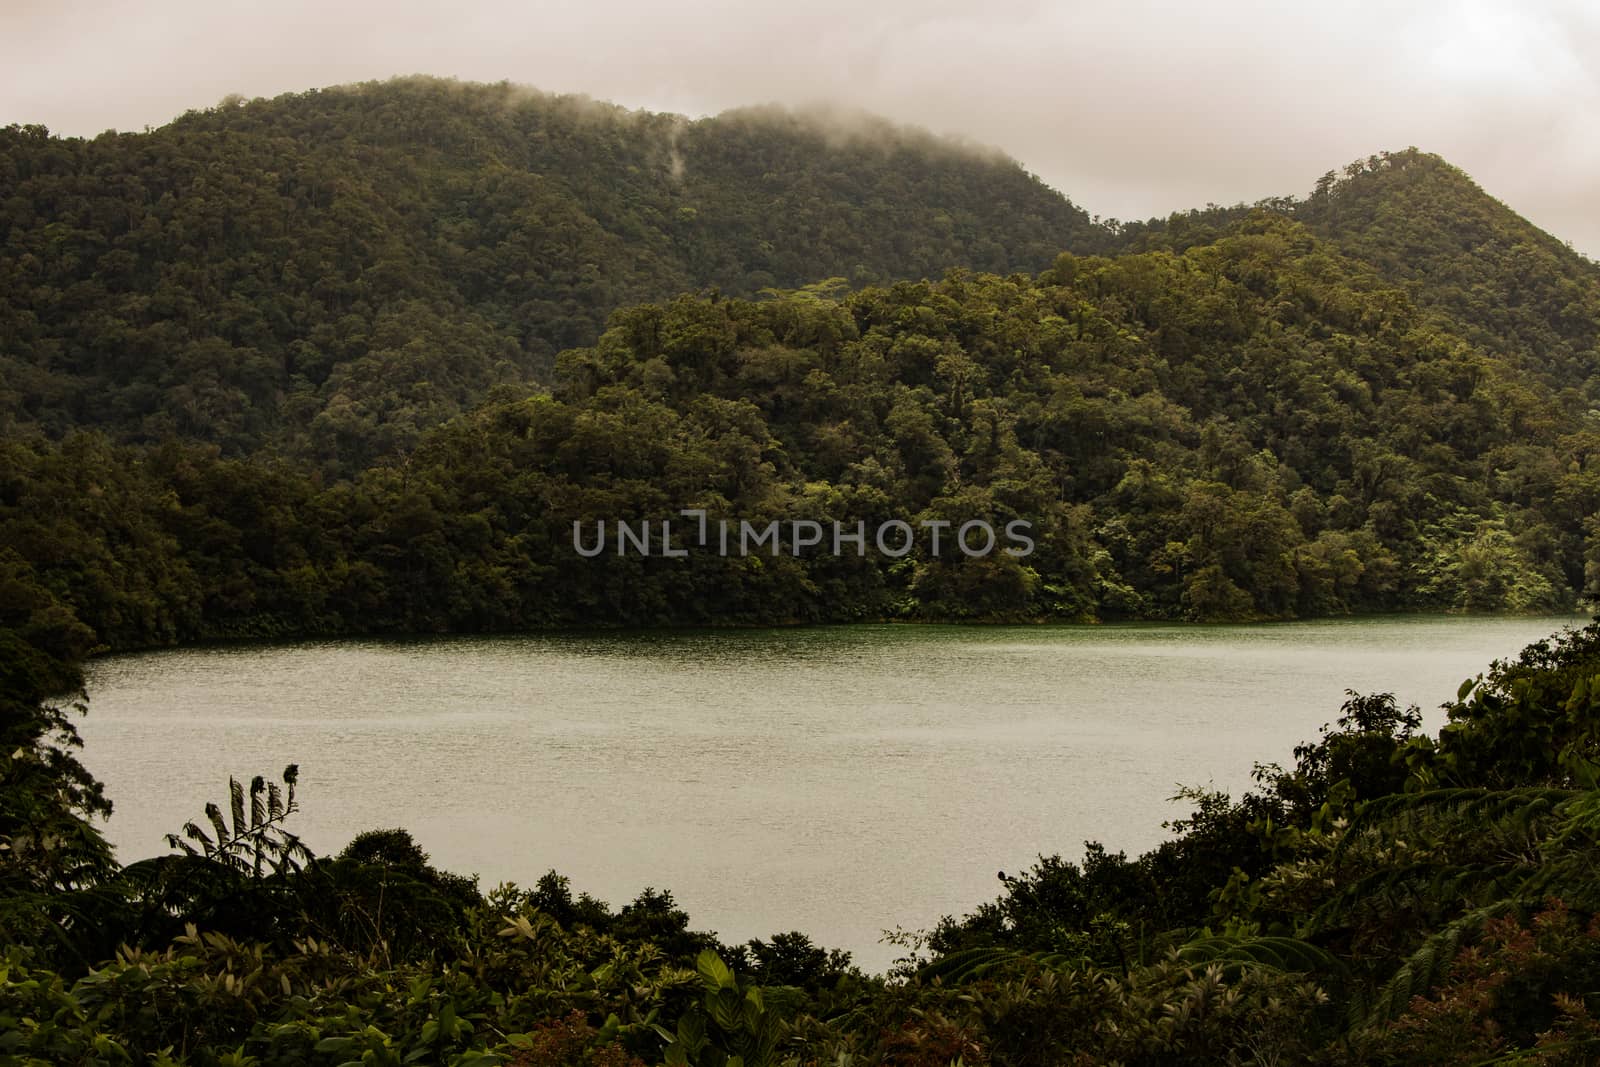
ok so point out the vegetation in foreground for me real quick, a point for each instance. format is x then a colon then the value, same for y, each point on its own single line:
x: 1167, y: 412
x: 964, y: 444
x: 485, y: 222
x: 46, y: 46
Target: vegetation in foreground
x: 1392, y: 898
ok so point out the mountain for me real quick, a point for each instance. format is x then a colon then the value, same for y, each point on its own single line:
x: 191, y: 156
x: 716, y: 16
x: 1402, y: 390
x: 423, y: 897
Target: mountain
x: 1255, y: 427
x: 316, y: 340
x: 1419, y: 223
x: 330, y: 272
x: 1514, y: 289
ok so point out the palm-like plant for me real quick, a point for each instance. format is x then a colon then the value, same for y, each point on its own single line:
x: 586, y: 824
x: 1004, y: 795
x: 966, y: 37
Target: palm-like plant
x: 255, y: 846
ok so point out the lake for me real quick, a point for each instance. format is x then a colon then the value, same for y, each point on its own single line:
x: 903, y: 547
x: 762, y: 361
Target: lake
x: 840, y: 781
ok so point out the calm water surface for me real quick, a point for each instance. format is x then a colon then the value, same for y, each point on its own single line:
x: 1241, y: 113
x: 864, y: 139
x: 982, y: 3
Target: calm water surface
x: 840, y: 781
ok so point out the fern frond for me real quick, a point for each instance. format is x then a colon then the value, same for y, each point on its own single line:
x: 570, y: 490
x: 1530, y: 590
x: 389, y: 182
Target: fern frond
x: 1480, y: 806
x: 236, y: 802
x: 972, y: 963
x: 193, y: 832
x: 1428, y: 964
x: 1288, y: 954
x: 214, y: 813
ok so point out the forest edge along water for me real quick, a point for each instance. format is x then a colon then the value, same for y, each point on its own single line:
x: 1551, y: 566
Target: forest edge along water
x: 837, y: 780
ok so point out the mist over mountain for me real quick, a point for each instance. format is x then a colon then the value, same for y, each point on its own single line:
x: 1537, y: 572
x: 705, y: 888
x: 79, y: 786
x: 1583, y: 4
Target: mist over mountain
x: 334, y: 270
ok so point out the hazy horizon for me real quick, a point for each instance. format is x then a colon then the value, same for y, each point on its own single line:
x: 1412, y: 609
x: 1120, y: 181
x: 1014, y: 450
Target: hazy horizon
x: 1132, y: 113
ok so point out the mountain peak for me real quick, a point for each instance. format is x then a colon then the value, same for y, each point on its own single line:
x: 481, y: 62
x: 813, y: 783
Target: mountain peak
x: 1422, y: 222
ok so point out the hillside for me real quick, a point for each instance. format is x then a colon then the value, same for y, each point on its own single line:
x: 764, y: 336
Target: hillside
x: 1249, y: 429
x: 318, y: 336
x: 1516, y: 290
x: 1421, y: 224
x: 331, y: 272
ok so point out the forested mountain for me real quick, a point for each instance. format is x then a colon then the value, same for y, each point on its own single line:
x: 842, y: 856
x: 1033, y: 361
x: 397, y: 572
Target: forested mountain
x: 330, y: 272
x: 1515, y: 290
x: 362, y: 360
x: 319, y: 336
x: 1253, y: 428
x: 1423, y: 225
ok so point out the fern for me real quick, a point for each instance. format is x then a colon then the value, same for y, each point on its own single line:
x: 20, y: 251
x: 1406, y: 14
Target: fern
x: 1477, y: 805
x: 973, y: 963
x: 250, y: 845
x: 1426, y: 966
x: 1287, y: 954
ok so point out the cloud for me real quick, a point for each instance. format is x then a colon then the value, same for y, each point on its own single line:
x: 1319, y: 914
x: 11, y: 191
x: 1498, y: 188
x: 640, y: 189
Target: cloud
x: 1133, y: 109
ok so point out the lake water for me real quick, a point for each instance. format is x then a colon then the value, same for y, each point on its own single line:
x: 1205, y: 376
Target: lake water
x: 840, y: 781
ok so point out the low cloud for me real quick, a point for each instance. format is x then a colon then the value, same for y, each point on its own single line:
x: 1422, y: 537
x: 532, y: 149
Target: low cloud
x: 1132, y: 109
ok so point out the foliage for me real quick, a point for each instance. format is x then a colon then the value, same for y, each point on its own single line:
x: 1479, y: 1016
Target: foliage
x: 1362, y: 910
x: 1170, y: 468
x: 257, y: 846
x: 359, y: 361
x: 332, y: 272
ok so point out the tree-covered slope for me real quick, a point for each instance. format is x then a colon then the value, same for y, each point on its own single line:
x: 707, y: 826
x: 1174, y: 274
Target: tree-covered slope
x: 332, y: 271
x: 1253, y: 428
x: 336, y: 315
x: 1421, y: 224
x: 1514, y: 289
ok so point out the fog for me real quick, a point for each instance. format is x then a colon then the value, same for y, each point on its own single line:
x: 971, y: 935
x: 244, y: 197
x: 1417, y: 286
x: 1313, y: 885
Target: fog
x: 1132, y: 109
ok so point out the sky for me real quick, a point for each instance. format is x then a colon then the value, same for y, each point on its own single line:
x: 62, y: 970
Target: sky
x: 1132, y: 108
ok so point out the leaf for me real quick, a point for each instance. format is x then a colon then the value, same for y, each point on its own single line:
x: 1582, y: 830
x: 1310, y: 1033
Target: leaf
x: 973, y: 963
x: 236, y: 802
x: 214, y: 813
x: 194, y: 833
x: 257, y: 814
x: 716, y: 973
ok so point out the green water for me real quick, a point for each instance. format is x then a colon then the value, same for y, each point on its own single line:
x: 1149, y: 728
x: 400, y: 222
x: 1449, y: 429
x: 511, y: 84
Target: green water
x: 840, y: 781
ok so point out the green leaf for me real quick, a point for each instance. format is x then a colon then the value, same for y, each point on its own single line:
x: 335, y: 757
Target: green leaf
x: 716, y: 973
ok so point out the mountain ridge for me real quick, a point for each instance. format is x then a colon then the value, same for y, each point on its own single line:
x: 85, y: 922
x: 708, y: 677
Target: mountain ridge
x: 330, y: 273
x: 246, y: 269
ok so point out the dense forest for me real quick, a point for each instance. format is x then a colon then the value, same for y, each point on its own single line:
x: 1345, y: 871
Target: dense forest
x: 290, y: 367
x: 361, y: 360
x: 1422, y: 225
x: 1256, y: 427
x: 327, y: 273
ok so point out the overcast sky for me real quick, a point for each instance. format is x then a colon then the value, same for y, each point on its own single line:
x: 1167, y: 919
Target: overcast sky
x: 1131, y: 107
